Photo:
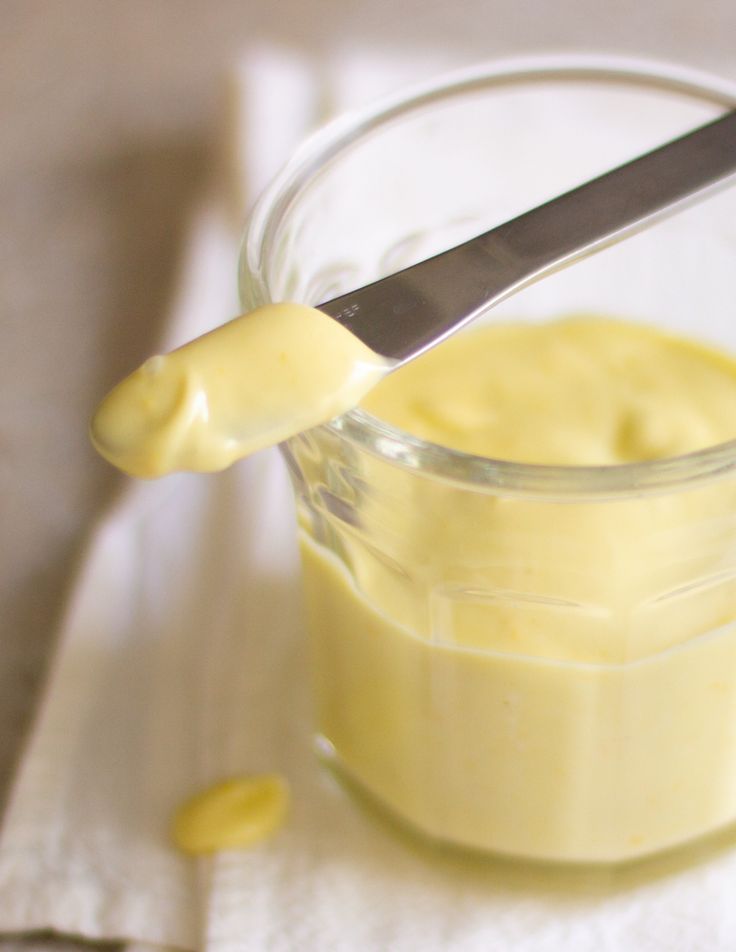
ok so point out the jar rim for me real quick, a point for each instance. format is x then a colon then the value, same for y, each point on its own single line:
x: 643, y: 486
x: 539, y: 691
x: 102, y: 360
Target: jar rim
x: 400, y: 448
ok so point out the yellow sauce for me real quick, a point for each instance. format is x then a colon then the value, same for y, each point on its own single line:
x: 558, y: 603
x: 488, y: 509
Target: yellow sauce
x: 545, y: 679
x: 233, y: 814
x: 577, y: 392
x: 548, y: 679
x: 248, y: 384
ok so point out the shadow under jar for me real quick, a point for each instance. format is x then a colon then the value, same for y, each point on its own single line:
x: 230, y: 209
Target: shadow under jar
x: 537, y: 661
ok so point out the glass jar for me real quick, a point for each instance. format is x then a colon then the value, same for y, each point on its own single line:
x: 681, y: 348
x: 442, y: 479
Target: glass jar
x: 530, y: 660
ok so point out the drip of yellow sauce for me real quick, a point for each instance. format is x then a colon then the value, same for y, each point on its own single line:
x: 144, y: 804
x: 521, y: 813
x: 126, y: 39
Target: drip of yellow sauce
x: 249, y: 384
x: 234, y: 814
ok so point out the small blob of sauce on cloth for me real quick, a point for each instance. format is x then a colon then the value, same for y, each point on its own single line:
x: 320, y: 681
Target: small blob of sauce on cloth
x: 248, y: 384
x: 234, y: 814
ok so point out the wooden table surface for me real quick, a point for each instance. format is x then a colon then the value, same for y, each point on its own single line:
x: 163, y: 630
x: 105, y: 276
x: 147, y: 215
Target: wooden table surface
x: 106, y: 112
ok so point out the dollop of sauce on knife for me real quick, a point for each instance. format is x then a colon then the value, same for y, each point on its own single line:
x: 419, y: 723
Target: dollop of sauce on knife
x: 248, y: 384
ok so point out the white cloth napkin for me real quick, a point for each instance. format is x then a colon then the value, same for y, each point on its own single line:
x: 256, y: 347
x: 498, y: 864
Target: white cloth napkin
x: 181, y: 661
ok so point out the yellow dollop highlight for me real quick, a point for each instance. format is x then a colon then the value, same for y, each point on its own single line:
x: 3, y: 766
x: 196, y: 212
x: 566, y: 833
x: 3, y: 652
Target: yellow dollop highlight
x: 582, y: 391
x: 246, y: 385
x: 553, y: 679
x: 234, y: 814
